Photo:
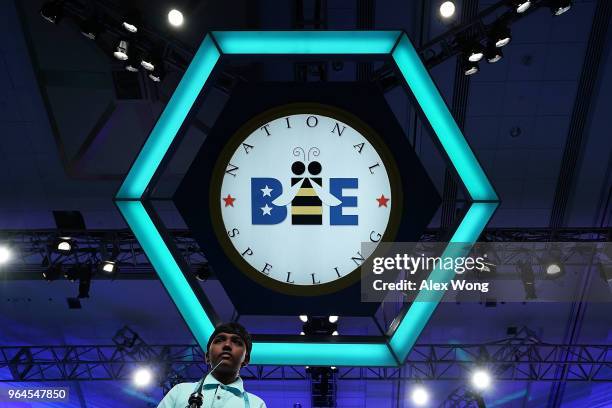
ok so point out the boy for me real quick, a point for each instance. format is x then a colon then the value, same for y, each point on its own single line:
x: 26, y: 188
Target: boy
x: 228, y: 350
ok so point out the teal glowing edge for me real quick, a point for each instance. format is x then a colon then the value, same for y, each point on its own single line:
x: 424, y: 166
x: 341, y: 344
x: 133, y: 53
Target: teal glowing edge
x: 170, y: 121
x: 132, y: 193
x: 306, y: 42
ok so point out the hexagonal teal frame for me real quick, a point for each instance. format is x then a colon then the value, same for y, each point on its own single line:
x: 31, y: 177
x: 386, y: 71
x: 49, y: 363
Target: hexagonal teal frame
x: 132, y: 195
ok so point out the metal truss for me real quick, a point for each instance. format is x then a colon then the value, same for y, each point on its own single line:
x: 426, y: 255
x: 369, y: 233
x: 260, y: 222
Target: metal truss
x: 522, y: 357
x: 34, y: 253
x: 463, y: 397
x: 177, y: 55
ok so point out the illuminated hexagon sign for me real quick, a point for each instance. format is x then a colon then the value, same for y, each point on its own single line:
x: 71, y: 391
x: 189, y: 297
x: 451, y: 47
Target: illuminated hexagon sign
x: 132, y: 198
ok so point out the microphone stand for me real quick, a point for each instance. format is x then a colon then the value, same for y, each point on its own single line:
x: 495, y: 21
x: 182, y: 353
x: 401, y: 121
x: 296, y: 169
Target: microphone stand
x: 195, y: 399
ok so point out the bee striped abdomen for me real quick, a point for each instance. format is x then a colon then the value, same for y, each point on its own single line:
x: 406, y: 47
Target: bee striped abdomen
x: 306, y: 206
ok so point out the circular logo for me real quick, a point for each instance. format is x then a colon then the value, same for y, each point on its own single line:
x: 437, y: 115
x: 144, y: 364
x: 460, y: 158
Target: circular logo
x: 300, y: 190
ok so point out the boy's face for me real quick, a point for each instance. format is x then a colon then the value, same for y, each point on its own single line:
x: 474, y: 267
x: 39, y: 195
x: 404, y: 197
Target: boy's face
x: 228, y: 349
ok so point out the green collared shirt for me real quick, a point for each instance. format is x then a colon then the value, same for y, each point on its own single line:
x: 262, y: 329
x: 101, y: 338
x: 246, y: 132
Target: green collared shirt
x: 216, y: 395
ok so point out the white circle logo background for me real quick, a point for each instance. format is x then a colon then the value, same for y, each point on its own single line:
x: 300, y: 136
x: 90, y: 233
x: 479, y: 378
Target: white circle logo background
x: 325, y: 250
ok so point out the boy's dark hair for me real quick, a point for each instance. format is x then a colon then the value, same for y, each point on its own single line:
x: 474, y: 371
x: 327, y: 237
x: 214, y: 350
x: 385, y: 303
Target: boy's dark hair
x: 233, y: 328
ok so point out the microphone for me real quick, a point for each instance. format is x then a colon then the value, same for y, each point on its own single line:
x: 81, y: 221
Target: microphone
x: 195, y: 399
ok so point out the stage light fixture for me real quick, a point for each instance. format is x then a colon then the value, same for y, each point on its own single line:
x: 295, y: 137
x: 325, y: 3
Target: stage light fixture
x: 5, y: 254
x: 52, y: 273
x: 447, y: 9
x: 148, y: 62
x: 553, y: 269
x: 493, y: 54
x: 501, y: 35
x: 64, y: 245
x: 420, y: 396
x: 90, y: 28
x: 142, y: 377
x: 131, y: 22
x: 470, y: 68
x: 335, y: 333
x: 302, y: 333
x: 304, y: 318
x: 108, y: 267
x: 333, y: 319
x: 475, y: 52
x: 481, y: 379
x: 158, y: 74
x: 121, y: 52
x: 560, y: 6
x: 553, y: 261
x: 521, y: 6
x: 334, y: 369
x: 131, y: 67
x: 52, y: 11
x: 175, y: 17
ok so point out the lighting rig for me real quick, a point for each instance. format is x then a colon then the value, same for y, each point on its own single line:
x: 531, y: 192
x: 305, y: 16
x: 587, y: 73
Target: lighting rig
x: 123, y: 34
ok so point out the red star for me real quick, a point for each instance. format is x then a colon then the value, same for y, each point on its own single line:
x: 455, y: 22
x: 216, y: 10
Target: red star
x: 229, y: 200
x: 382, y: 201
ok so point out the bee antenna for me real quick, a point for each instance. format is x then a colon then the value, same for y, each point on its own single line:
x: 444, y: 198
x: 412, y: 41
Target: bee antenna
x: 297, y: 150
x: 315, y: 152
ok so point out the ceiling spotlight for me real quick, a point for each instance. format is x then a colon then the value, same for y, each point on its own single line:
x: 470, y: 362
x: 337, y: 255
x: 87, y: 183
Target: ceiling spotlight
x: 560, y: 6
x: 64, y: 245
x: 130, y: 27
x: 500, y: 35
x: 175, y: 18
x: 142, y: 377
x: 333, y: 368
x: 332, y: 319
x: 131, y: 21
x: 108, y: 267
x: 475, y: 52
x: 521, y: 6
x: 481, y: 379
x: 52, y: 11
x: 147, y: 62
x: 121, y: 53
x: 447, y: 9
x: 493, y: 54
x: 302, y: 333
x: 131, y: 67
x: 335, y: 333
x: 52, y: 273
x: 470, y: 68
x: 90, y: 28
x: 157, y: 75
x: 303, y: 318
x: 420, y: 396
x: 553, y: 269
x: 5, y: 254
x: 553, y: 261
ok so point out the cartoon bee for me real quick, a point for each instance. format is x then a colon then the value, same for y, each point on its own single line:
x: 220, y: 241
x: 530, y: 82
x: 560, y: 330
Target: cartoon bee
x: 306, y: 194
